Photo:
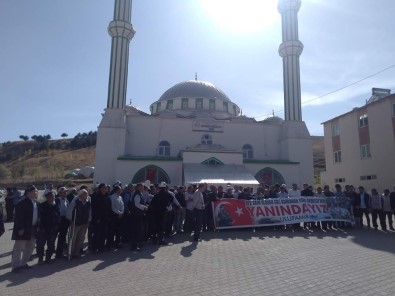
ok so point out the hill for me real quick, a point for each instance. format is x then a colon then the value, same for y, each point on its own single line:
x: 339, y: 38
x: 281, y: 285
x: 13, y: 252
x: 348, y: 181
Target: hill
x: 23, y: 163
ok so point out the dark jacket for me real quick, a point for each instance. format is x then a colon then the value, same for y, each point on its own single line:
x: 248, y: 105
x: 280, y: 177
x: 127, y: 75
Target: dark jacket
x: 392, y: 200
x: 357, y: 200
x: 48, y: 217
x: 2, y: 229
x: 82, y: 212
x: 101, y: 207
x: 160, y: 201
x: 23, y: 220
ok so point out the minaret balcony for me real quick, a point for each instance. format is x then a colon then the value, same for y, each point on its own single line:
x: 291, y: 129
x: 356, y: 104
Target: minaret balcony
x: 121, y: 29
x: 288, y: 48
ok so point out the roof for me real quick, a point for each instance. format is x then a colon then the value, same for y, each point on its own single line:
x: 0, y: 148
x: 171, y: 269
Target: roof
x: 218, y: 174
x: 383, y: 99
x: 195, y: 89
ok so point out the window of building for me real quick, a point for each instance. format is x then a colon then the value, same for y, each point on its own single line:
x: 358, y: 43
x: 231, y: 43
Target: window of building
x: 157, y: 107
x: 212, y: 104
x: 363, y: 120
x: 234, y: 110
x: 335, y: 129
x: 184, y: 103
x: 199, y: 103
x: 226, y: 107
x: 248, y: 152
x: 340, y: 180
x: 368, y: 177
x: 169, y: 105
x: 365, y: 151
x: 206, y: 140
x: 269, y: 176
x: 164, y: 148
x: 153, y: 173
x: 151, y: 108
x: 337, y: 156
x: 212, y: 161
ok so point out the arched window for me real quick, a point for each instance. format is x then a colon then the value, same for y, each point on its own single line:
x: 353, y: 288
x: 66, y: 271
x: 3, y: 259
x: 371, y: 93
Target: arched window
x: 164, y: 148
x: 269, y: 176
x: 153, y: 173
x: 248, y: 152
x: 207, y: 140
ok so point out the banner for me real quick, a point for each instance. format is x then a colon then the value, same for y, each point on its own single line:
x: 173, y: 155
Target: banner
x: 236, y: 213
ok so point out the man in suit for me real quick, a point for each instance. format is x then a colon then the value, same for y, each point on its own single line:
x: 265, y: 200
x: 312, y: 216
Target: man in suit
x: 25, y: 227
x: 362, y: 205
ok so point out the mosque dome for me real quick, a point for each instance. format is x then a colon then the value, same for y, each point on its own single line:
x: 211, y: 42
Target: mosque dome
x: 194, y: 88
x: 195, y: 96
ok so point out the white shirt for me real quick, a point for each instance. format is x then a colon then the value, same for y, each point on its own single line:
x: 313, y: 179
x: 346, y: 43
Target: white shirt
x: 35, y: 213
x: 198, y: 201
x: 63, y: 203
x: 293, y: 193
x: 117, y: 205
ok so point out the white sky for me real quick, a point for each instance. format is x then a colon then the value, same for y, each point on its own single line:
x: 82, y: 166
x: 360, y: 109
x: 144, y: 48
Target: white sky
x: 54, y: 57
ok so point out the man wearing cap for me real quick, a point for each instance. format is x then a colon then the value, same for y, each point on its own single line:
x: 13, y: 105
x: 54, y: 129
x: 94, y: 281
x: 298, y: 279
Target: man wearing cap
x: 25, y: 228
x: 48, y: 218
x: 63, y: 225
x: 79, y: 213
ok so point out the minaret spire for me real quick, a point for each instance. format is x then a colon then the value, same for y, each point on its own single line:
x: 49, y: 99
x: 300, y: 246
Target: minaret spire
x: 121, y: 31
x: 290, y: 50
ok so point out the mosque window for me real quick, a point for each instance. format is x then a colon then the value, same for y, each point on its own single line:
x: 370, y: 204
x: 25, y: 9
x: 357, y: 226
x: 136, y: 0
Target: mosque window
x: 212, y: 161
x: 153, y: 173
x: 164, y: 148
x: 184, y: 103
x: 248, y: 152
x: 269, y: 176
x: 151, y: 108
x: 169, y: 105
x: 226, y: 107
x: 157, y: 107
x: 207, y: 140
x: 212, y: 105
x: 199, y: 103
x: 234, y: 110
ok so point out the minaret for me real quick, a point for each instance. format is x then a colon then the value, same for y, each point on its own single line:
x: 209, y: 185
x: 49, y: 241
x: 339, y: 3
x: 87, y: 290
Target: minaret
x: 290, y: 50
x: 121, y: 31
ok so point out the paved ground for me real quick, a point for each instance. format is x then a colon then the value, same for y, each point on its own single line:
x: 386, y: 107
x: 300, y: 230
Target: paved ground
x: 237, y: 262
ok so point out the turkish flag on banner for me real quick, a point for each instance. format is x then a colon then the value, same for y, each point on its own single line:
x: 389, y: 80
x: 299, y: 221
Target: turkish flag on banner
x: 231, y: 212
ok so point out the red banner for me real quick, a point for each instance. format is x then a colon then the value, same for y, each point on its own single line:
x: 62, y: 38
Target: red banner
x: 233, y: 213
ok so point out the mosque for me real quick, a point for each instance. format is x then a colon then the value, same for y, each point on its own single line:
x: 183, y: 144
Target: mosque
x: 194, y: 132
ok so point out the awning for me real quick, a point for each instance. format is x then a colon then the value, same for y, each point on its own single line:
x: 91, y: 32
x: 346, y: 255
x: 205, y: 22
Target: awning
x: 234, y: 174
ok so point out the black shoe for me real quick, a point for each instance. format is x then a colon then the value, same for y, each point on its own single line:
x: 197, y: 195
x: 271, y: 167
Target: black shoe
x: 40, y: 261
x: 61, y: 257
x: 25, y: 266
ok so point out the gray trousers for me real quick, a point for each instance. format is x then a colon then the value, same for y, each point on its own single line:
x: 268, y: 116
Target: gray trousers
x: 22, y: 251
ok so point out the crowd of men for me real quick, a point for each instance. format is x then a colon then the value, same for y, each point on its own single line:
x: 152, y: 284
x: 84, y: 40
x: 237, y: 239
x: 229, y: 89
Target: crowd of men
x: 113, y: 217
